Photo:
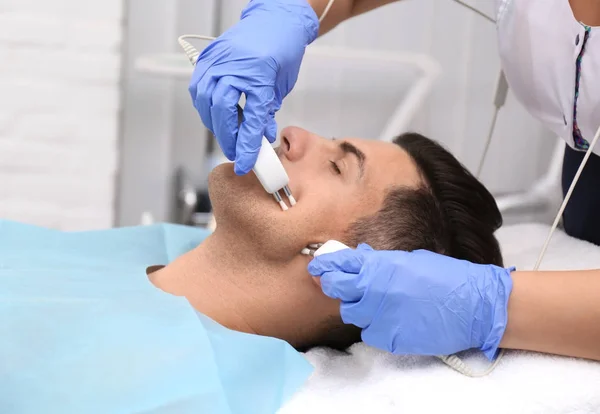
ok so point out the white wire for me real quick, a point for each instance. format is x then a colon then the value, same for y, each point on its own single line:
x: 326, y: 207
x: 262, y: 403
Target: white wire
x: 482, y: 14
x: 499, y: 100
x: 488, y: 142
x: 189, y: 36
x: 190, y: 51
x: 327, y: 8
x: 566, y: 200
x: 460, y: 366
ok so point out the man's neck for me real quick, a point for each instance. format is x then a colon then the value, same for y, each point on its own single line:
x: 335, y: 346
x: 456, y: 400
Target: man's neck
x: 227, y: 280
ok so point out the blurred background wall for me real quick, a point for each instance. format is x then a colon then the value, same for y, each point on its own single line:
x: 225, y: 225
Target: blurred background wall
x: 87, y: 140
x: 60, y: 63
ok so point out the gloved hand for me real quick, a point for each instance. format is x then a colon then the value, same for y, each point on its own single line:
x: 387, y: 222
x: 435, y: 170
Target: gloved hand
x: 259, y: 56
x: 417, y: 302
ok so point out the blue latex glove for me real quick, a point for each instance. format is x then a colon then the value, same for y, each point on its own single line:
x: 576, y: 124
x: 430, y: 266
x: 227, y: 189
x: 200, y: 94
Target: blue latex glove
x: 417, y: 302
x: 260, y: 56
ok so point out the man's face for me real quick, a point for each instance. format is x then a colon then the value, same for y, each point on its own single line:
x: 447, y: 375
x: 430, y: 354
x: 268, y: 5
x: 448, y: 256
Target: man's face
x: 335, y: 182
x: 264, y: 276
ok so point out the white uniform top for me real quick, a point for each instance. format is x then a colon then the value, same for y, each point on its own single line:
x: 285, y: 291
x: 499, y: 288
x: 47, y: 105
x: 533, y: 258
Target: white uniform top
x: 540, y: 42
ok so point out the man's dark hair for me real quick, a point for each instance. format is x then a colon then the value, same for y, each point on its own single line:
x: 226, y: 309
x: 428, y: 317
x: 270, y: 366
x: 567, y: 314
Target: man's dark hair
x: 451, y: 213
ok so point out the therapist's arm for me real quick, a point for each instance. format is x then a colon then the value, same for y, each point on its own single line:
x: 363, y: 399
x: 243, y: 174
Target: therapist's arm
x: 555, y: 312
x: 343, y: 10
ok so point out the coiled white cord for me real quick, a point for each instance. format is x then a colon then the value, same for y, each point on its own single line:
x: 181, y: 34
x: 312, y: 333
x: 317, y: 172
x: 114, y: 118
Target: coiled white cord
x: 192, y: 53
x: 460, y: 366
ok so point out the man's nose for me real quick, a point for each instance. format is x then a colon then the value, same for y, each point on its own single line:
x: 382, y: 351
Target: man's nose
x: 296, y: 142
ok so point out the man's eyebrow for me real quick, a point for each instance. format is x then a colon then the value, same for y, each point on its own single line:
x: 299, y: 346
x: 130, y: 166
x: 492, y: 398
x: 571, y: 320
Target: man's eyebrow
x: 349, y: 148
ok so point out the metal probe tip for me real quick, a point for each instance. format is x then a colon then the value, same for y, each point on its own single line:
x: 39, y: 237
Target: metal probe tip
x: 278, y: 198
x: 289, y: 195
x: 311, y: 249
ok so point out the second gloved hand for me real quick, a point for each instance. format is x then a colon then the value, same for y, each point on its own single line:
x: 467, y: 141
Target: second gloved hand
x: 260, y: 56
x: 417, y: 302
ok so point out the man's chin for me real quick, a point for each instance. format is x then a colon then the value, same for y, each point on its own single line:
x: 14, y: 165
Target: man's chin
x: 242, y: 206
x: 238, y: 198
x: 224, y: 182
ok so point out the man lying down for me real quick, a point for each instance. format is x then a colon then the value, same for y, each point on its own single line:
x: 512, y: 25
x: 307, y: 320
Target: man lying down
x: 249, y: 275
x: 82, y: 327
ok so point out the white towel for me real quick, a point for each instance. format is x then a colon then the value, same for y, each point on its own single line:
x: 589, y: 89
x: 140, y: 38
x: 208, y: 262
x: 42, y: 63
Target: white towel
x: 370, y: 381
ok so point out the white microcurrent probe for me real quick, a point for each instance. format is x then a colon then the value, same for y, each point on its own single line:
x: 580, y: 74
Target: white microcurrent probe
x: 268, y: 168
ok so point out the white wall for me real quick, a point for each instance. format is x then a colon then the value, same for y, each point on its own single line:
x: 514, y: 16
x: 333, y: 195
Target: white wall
x: 59, y: 111
x: 161, y: 129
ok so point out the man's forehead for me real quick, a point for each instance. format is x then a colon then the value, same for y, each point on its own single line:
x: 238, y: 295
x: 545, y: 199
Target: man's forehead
x: 387, y: 163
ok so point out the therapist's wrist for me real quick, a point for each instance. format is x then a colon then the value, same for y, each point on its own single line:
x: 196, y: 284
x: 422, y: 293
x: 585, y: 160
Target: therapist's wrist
x: 301, y: 10
x: 495, y: 288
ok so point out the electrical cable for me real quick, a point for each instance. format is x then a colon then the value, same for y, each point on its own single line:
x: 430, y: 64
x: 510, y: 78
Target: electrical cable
x: 566, y: 200
x: 473, y: 9
x: 326, y: 11
x: 499, y: 101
